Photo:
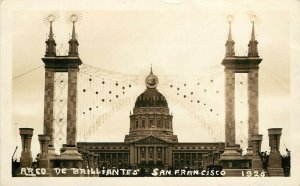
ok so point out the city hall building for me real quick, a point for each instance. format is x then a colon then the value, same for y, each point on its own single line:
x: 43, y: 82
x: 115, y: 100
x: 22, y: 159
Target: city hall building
x: 151, y: 141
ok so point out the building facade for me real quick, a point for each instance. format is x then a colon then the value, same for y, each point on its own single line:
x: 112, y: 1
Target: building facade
x: 151, y: 141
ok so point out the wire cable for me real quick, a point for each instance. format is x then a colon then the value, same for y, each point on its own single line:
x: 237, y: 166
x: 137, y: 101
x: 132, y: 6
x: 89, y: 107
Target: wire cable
x: 23, y: 74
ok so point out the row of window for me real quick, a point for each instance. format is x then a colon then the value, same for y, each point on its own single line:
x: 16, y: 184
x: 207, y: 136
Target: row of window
x: 151, y: 124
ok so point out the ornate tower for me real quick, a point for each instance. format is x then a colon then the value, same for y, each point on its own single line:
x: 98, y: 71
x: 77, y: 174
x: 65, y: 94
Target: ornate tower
x: 151, y: 132
x: 63, y: 64
x: 240, y: 64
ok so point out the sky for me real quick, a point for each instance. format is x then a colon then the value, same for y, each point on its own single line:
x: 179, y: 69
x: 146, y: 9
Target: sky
x: 176, y: 38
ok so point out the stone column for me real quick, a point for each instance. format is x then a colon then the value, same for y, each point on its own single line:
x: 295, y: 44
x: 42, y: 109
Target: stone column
x: 26, y: 156
x: 231, y: 149
x: 256, y: 160
x: 72, y: 107
x: 154, y: 155
x: 132, y: 155
x: 163, y: 155
x: 48, y: 108
x: 169, y: 155
x: 71, y: 152
x: 43, y: 161
x: 230, y: 105
x: 253, y: 104
x: 146, y: 154
x: 275, y: 168
x: 96, y: 156
x: 139, y: 155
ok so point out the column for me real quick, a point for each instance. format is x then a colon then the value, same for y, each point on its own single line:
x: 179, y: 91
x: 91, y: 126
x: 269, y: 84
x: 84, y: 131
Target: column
x: 275, y: 168
x: 146, y: 154
x: 72, y: 109
x: 43, y: 161
x: 256, y: 143
x: 132, y: 155
x: 154, y: 155
x: 111, y: 159
x: 139, y: 155
x: 184, y: 159
x: 163, y: 155
x: 117, y: 159
x: 253, y: 104
x: 48, y: 105
x: 26, y: 156
x: 230, y: 105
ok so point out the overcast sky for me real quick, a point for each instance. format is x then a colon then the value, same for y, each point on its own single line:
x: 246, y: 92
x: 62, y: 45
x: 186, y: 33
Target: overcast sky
x: 185, y: 38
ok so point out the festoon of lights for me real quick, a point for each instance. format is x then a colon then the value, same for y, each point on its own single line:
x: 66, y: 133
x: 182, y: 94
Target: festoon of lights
x: 102, y: 94
x: 201, y: 96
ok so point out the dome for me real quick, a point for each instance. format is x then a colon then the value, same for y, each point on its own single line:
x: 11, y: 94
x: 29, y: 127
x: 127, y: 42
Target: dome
x: 151, y: 98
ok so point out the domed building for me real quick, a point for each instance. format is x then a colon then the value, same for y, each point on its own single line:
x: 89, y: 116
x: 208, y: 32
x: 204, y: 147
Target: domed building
x: 151, y: 142
x: 151, y: 115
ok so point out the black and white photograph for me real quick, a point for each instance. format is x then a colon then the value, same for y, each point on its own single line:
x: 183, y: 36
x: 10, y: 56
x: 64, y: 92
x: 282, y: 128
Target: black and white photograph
x: 128, y: 92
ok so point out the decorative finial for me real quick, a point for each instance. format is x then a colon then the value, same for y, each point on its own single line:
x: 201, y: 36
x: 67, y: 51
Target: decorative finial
x: 151, y: 69
x: 151, y: 80
x: 229, y: 19
x: 230, y: 43
x: 253, y: 32
x: 252, y: 46
x: 50, y: 43
x: 73, y: 43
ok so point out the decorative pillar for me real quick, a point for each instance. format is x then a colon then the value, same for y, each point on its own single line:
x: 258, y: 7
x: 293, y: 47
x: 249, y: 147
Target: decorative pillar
x: 70, y: 148
x: 132, y: 155
x: 275, y: 168
x: 256, y: 160
x: 43, y: 161
x: 138, y: 155
x: 154, y: 155
x: 49, y: 108
x: 26, y: 156
x: 163, y: 155
x: 72, y: 108
x: 229, y: 109
x: 253, y: 104
x: 146, y: 155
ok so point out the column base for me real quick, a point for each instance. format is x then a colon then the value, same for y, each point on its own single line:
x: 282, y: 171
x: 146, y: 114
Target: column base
x: 233, y: 159
x: 51, y: 152
x: 275, y: 168
x: 231, y: 153
x: 256, y: 163
x: 250, y: 151
x: 275, y: 172
x: 43, y: 163
x: 71, y: 153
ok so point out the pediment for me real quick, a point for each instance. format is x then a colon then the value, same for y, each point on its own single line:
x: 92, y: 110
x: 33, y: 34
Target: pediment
x: 151, y: 140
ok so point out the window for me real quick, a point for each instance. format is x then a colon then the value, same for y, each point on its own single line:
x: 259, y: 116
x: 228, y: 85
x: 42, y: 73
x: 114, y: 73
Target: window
x: 143, y: 123
x: 136, y: 124
x: 159, y: 123
x: 151, y: 122
x: 166, y: 124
